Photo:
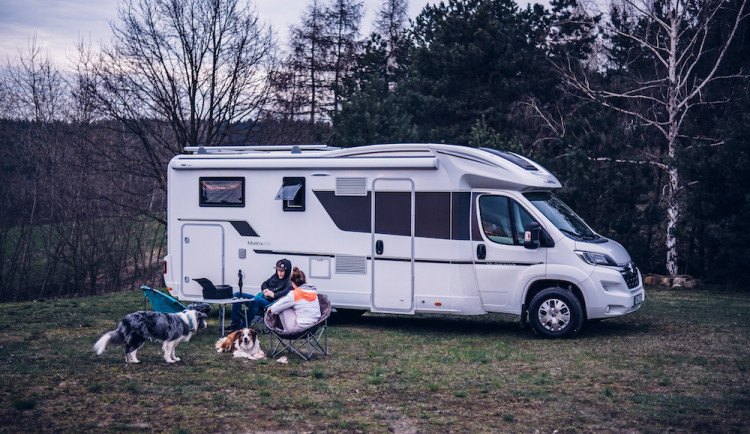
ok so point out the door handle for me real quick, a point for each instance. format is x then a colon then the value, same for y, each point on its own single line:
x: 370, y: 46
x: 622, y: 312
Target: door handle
x: 481, y: 251
x: 379, y: 247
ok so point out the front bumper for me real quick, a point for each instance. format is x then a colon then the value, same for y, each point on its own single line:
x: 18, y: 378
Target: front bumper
x: 609, y: 295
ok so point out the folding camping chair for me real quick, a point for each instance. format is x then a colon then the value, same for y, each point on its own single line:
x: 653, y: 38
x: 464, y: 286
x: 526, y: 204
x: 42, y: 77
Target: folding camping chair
x: 160, y: 301
x: 295, y: 342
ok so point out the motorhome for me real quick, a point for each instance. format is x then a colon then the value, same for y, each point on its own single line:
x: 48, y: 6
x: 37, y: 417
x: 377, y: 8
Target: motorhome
x: 398, y: 228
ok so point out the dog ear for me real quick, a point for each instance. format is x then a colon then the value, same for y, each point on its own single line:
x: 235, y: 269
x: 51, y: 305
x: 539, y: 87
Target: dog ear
x: 253, y: 334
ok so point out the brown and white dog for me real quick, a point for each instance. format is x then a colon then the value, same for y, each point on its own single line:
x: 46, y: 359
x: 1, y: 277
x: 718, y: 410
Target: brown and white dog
x: 242, y: 343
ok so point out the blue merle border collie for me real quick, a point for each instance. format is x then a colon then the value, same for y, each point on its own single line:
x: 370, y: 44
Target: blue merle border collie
x: 169, y: 328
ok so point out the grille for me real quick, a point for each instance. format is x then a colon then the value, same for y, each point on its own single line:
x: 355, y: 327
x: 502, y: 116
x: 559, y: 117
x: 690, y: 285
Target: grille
x: 630, y: 274
x: 351, y: 186
x: 351, y: 264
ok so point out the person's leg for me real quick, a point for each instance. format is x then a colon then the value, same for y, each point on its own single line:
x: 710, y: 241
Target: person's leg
x: 238, y: 318
x: 259, y: 306
x: 288, y: 318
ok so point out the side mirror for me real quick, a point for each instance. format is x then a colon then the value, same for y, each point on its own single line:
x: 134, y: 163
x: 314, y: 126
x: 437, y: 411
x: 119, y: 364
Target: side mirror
x: 531, y: 235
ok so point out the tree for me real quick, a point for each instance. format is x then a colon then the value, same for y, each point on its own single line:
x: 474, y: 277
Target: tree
x: 183, y: 73
x: 661, y: 62
x: 308, y: 62
x: 344, y: 17
x: 390, y: 26
x: 323, y: 49
x: 471, y: 59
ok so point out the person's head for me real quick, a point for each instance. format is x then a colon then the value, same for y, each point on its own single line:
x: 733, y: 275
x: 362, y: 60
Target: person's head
x: 298, y: 277
x: 282, y: 268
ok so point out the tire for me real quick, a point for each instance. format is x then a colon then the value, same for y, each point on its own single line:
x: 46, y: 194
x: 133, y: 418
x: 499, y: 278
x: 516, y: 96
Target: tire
x: 555, y: 313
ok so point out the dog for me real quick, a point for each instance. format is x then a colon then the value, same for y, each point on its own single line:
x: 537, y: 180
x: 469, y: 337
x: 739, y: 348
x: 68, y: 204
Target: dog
x: 169, y: 328
x: 242, y: 343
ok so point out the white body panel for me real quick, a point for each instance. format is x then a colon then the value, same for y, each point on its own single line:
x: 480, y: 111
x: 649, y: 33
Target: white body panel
x: 418, y: 203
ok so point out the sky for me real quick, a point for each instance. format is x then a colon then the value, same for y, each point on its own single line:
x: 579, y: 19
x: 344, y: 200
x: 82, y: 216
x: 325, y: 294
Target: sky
x: 59, y: 24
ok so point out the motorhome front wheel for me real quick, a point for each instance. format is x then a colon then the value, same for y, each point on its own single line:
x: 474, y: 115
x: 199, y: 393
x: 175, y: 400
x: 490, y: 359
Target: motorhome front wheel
x: 555, y: 313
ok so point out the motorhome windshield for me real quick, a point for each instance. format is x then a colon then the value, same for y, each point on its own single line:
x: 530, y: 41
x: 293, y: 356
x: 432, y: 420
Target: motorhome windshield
x: 562, y: 216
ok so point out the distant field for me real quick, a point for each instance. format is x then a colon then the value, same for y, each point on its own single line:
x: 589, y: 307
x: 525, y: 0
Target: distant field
x: 681, y: 363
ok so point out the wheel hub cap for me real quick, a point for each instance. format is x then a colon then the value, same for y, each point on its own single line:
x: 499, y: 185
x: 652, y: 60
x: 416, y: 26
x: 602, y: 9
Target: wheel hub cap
x: 554, y: 314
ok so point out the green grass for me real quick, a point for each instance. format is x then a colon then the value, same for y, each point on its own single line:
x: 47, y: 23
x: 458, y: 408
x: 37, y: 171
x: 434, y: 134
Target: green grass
x: 681, y: 364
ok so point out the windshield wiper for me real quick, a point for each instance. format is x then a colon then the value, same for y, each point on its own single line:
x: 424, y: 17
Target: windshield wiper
x: 590, y: 237
x: 574, y: 234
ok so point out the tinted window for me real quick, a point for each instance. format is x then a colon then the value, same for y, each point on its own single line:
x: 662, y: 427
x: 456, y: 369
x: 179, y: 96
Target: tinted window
x: 222, y: 192
x: 496, y: 222
x: 503, y: 220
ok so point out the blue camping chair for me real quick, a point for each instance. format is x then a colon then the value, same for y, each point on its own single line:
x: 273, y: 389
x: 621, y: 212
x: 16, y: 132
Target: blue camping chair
x: 161, y: 302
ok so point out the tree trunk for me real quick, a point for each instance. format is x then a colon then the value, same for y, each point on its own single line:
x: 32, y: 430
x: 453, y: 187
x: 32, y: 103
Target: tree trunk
x: 673, y: 214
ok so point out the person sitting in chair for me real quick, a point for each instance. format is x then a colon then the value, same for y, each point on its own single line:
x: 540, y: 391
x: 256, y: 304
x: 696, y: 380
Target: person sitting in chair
x: 272, y: 289
x: 300, y: 308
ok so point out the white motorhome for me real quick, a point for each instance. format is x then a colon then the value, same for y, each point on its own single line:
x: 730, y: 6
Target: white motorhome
x: 402, y: 228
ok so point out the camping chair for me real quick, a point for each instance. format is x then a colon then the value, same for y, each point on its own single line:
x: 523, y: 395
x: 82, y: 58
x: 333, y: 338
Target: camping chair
x: 295, y: 342
x: 161, y: 302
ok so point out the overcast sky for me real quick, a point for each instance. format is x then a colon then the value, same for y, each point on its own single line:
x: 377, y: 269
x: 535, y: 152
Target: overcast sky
x: 59, y: 24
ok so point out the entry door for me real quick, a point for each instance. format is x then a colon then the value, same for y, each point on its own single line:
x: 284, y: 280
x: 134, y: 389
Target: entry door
x: 503, y: 265
x: 202, y: 256
x: 393, y: 246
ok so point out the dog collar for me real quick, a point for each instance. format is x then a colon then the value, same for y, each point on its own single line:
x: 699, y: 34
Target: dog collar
x: 190, y: 322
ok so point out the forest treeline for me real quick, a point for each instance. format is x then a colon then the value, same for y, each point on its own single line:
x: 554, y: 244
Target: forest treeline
x: 640, y: 108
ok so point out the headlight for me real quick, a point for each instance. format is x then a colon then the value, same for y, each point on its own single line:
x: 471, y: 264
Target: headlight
x: 595, y: 258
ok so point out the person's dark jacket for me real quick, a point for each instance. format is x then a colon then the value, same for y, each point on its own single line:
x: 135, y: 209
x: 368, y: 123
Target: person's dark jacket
x: 280, y: 287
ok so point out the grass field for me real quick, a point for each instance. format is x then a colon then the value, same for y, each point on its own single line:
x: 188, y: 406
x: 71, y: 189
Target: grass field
x: 680, y: 364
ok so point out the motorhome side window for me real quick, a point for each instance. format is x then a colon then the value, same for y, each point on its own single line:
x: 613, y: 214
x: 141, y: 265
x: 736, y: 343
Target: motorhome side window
x: 503, y: 219
x: 292, y: 194
x: 222, y: 191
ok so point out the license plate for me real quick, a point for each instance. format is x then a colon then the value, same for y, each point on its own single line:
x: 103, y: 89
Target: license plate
x: 638, y: 299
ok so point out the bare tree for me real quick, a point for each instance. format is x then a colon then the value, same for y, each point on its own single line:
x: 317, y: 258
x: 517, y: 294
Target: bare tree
x: 309, y: 61
x: 183, y: 73
x: 344, y: 18
x: 36, y: 85
x: 391, y: 21
x: 672, y: 41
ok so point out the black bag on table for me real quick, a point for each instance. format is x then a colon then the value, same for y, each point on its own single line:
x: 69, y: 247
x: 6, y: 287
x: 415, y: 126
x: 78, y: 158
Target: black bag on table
x: 212, y: 292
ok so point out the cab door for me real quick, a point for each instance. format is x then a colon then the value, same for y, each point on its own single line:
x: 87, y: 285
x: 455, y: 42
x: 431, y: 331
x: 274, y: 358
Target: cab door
x: 502, y: 264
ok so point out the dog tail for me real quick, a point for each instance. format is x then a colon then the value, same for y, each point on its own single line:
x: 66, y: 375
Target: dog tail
x: 112, y: 337
x: 224, y: 344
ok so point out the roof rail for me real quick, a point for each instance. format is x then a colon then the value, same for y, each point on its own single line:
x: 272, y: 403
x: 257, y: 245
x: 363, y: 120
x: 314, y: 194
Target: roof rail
x: 254, y: 148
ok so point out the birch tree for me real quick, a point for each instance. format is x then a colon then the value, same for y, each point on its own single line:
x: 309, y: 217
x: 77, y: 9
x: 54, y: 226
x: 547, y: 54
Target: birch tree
x: 668, y: 56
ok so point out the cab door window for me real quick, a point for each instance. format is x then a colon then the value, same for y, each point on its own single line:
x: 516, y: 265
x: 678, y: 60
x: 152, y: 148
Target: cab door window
x: 503, y: 219
x: 521, y: 219
x: 496, y: 221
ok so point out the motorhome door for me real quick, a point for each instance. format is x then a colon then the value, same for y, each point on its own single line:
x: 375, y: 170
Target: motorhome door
x: 393, y: 246
x: 202, y: 256
x: 501, y: 262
